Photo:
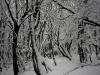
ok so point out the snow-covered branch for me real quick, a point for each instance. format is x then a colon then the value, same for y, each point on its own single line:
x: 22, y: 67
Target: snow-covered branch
x: 26, y: 11
x: 90, y: 22
x: 10, y: 13
x: 64, y: 6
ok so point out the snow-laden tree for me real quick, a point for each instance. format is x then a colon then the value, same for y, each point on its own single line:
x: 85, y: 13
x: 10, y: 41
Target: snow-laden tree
x: 47, y: 27
x: 5, y: 40
x: 22, y: 10
x: 84, y: 12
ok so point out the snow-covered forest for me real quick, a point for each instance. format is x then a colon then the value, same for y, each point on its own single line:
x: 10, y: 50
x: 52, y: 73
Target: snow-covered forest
x: 49, y: 37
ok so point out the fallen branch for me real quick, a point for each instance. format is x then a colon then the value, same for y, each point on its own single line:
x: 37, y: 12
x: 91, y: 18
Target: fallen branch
x: 81, y: 67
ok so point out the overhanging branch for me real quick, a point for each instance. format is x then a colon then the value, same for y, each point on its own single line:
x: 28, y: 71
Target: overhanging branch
x: 90, y: 22
x: 10, y: 13
x: 26, y: 11
x: 64, y: 6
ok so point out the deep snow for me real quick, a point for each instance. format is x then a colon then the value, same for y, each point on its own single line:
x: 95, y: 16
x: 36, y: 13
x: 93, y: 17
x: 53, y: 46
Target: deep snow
x: 63, y: 66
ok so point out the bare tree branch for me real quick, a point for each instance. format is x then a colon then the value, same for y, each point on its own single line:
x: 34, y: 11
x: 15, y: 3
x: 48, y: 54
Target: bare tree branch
x: 26, y: 11
x: 12, y: 30
x: 26, y: 18
x: 87, y: 21
x: 10, y: 13
x: 21, y: 8
x: 65, y: 7
x: 16, y: 9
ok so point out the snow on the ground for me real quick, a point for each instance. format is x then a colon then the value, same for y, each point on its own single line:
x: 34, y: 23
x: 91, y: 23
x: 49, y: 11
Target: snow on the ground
x: 30, y: 72
x: 63, y: 66
x: 7, y: 72
x: 88, y: 70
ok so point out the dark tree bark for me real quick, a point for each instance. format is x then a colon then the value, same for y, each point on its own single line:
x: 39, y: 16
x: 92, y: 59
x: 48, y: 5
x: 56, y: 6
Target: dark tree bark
x: 68, y: 45
x: 96, y: 48
x: 60, y: 48
x: 35, y: 19
x: 52, y: 52
x: 34, y: 56
x: 15, y: 59
x: 81, y: 54
x: 15, y: 65
x: 80, y: 49
x: 15, y: 30
x: 51, y: 41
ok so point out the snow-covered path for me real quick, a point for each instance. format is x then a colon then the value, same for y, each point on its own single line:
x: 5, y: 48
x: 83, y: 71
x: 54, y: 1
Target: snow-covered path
x: 63, y: 66
x: 88, y: 70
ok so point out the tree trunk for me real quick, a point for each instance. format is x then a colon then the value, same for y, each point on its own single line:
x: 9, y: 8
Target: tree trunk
x: 65, y: 53
x: 38, y: 68
x: 96, y: 47
x: 52, y: 52
x: 60, y: 48
x: 15, y: 59
x: 15, y: 65
x: 80, y: 49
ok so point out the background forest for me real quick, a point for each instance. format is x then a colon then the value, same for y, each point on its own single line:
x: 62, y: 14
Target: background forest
x: 32, y: 32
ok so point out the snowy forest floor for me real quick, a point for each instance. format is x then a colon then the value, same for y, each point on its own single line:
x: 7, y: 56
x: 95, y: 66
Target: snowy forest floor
x: 65, y: 67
